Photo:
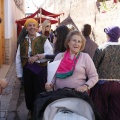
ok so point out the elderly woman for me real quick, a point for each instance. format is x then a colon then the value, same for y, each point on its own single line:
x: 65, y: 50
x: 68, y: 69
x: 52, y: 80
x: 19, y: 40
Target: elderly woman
x: 75, y: 66
x: 106, y: 94
x: 75, y: 74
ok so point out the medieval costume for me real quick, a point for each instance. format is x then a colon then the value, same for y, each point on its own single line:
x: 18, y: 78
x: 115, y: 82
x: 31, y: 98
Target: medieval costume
x: 35, y: 73
x: 105, y: 94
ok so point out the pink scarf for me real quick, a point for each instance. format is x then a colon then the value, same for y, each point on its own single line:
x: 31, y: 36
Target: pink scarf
x: 67, y: 65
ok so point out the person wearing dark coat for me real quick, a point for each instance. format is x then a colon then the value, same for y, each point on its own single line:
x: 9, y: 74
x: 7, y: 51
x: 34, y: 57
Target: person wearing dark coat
x: 90, y: 46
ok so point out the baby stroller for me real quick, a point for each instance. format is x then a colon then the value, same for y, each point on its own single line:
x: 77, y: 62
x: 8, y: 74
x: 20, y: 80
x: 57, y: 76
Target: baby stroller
x: 65, y: 104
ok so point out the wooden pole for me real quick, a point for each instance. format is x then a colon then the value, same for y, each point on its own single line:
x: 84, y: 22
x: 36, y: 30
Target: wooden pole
x: 40, y: 16
x: 58, y: 20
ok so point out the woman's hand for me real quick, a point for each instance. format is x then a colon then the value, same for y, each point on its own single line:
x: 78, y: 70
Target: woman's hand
x: 81, y: 88
x: 32, y: 59
x: 49, y: 86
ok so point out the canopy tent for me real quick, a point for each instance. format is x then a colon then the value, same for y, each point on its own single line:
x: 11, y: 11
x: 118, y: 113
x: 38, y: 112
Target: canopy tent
x: 45, y: 13
x: 40, y: 13
x: 22, y: 21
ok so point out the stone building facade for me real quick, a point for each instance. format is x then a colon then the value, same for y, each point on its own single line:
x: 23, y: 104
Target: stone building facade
x: 76, y: 13
x: 79, y: 12
x: 10, y: 11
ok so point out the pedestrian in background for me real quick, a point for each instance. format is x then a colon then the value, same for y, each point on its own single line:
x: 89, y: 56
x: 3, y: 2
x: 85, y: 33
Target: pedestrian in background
x: 90, y: 46
x: 106, y: 94
x: 46, y: 30
x: 60, y: 35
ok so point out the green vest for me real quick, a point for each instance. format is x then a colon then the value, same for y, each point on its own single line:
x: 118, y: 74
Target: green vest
x: 37, y: 48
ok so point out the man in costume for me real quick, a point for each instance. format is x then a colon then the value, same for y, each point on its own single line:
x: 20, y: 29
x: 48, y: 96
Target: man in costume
x: 34, y: 74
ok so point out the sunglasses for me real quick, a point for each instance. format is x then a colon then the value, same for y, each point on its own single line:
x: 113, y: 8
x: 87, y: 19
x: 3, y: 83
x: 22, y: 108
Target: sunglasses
x: 48, y: 26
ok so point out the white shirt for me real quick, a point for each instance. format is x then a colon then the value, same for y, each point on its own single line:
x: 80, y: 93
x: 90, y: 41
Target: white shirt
x: 47, y: 50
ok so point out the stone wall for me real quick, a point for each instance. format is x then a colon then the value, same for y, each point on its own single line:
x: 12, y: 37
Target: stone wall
x: 79, y: 12
x: 14, y: 14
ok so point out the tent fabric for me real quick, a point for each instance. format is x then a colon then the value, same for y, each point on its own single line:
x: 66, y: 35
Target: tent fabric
x: 42, y: 12
x: 40, y: 19
x: 19, y: 28
x: 22, y: 21
x: 45, y: 13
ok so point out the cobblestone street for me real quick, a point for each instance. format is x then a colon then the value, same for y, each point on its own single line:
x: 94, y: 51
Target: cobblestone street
x: 12, y: 104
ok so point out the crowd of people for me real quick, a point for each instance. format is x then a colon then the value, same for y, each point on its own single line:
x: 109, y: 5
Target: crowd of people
x: 84, y: 67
